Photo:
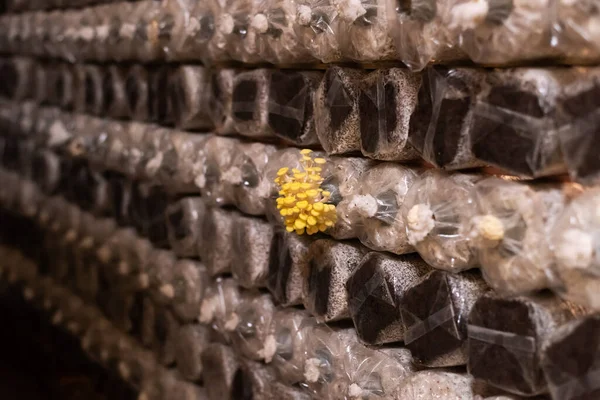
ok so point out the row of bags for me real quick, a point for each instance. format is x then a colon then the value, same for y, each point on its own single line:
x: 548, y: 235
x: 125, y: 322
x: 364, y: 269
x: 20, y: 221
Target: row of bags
x: 518, y: 344
x: 15, y: 6
x: 529, y: 122
x: 307, y: 31
x: 524, y: 236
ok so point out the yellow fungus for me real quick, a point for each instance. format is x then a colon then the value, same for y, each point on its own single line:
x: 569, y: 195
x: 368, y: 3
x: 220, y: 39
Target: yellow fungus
x: 320, y: 161
x: 289, y: 228
x: 311, y: 221
x: 302, y: 204
x: 282, y: 171
x: 305, y: 151
x: 299, y: 224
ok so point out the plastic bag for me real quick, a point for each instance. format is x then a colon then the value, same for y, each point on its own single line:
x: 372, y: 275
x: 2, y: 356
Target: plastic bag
x: 220, y: 100
x: 219, y: 364
x: 184, y: 221
x: 290, y: 109
x: 19, y: 75
x: 375, y: 290
x: 89, y: 97
x: 374, y: 209
x: 188, y: 92
x: 505, y: 339
x: 160, y: 270
x: 512, y: 231
x: 437, y: 212
x: 190, y: 280
x: 574, y: 30
x: 577, y: 119
x: 153, y: 30
x: 421, y: 34
x: 514, y: 124
x: 137, y: 86
x: 570, y: 362
x: 193, y: 30
x: 573, y: 240
x: 330, y: 265
x: 148, y: 206
x: 317, y: 29
x: 249, y: 325
x: 288, y: 258
x: 387, y: 99
x: 250, y: 103
x: 284, y: 346
x: 221, y: 299
x: 114, y: 96
x: 433, y: 384
x: 160, y: 105
x: 441, y: 125
x: 252, y: 379
x: 251, y: 244
x: 495, y: 33
x: 85, y: 36
x: 434, y: 314
x: 220, y: 153
x: 118, y: 30
x: 336, y: 108
x: 191, y: 341
x: 216, y: 246
x: 182, y: 162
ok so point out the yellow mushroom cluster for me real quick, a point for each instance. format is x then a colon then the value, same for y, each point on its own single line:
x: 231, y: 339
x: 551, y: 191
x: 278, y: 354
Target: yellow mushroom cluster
x: 301, y: 202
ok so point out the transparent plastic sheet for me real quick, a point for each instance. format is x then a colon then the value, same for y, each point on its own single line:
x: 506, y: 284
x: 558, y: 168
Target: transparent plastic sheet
x: 220, y: 301
x: 284, y: 345
x: 421, y: 34
x: 214, y: 28
x: 148, y: 206
x: 505, y: 338
x: 153, y: 30
x: 288, y: 259
x: 131, y: 158
x: 118, y: 31
x: 251, y: 188
x: 234, y: 26
x: 374, y: 208
x: 164, y: 329
x: 64, y: 87
x: 89, y: 97
x: 137, y: 366
x: 189, y: 97
x: 365, y: 30
x: 495, y: 33
x: 436, y: 384
x: 570, y: 361
x: 220, y: 153
x: 434, y: 314
x: 441, y: 124
x: 120, y: 196
x: 114, y: 94
x: 330, y: 264
x: 574, y: 30
x: 220, y: 100
x: 437, y: 211
x: 184, y: 221
x: 250, y: 103
x: 578, y: 120
x: 190, y: 280
x: 160, y: 105
x: 375, y: 290
x: 155, y: 144
x: 191, y: 31
x: 387, y: 99
x: 376, y: 373
x: 324, y: 366
x: 573, y: 242
x: 252, y: 379
x: 219, y: 365
x: 19, y: 76
x: 38, y: 90
x: 83, y: 47
x: 113, y: 138
x: 29, y: 199
x: 317, y: 29
x: 336, y: 108
x: 102, y: 31
x: 512, y: 230
x: 249, y: 325
x: 137, y: 88
x: 191, y: 340
x: 216, y: 245
x: 251, y: 245
x: 514, y: 125
x: 276, y: 41
x: 290, y: 109
x: 160, y: 270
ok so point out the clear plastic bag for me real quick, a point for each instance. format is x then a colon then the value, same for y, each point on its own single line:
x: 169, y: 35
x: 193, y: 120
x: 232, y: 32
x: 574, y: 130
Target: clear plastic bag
x: 137, y: 87
x: 84, y: 45
x: 495, y: 33
x: 512, y: 231
x: 434, y: 384
x: 505, y: 339
x: 252, y: 379
x: 235, y: 26
x: 19, y: 75
x: 374, y: 209
x: 434, y: 314
x: 421, y: 34
x: 573, y: 242
x: 220, y: 100
x: 189, y: 97
x: 288, y: 260
x: 89, y: 97
x: 220, y: 153
x: 182, y: 163
x: 216, y: 245
x: 387, y: 99
x: 284, y: 346
x: 153, y: 30
x: 184, y: 222
x: 440, y: 127
x: 250, y: 103
x: 249, y: 325
x: 160, y: 270
x: 219, y: 364
x: 317, y: 29
x: 290, y: 109
x: 119, y: 30
x: 220, y: 301
x: 574, y: 30
x: 570, y: 361
x: 114, y: 94
x: 437, y: 211
x: 251, y: 244
x: 375, y: 290
x: 160, y: 106
x: 514, y: 121
x: 131, y: 158
x: 190, y: 280
x: 330, y: 265
x: 336, y: 108
x: 191, y: 341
